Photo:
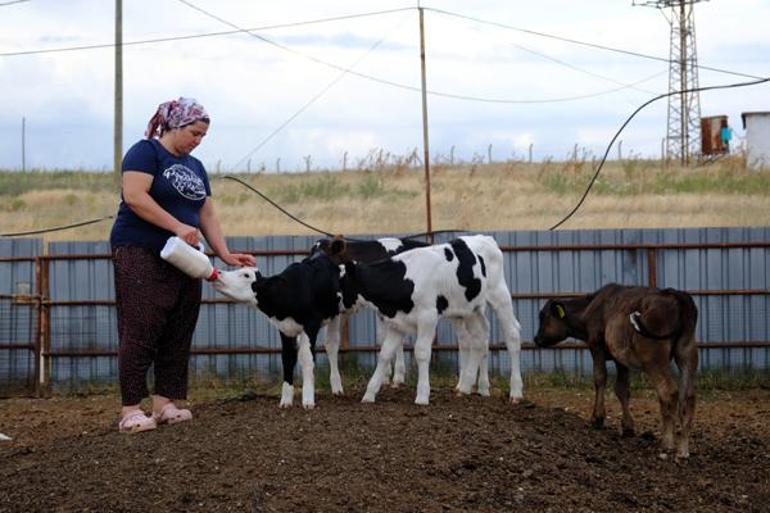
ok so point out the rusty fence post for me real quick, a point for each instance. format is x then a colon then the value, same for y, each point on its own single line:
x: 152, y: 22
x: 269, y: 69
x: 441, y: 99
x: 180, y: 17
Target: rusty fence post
x: 43, y: 342
x: 652, y: 268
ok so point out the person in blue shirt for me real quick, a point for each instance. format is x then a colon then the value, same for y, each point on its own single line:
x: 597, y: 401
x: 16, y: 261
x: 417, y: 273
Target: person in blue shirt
x: 726, y: 134
x: 165, y: 192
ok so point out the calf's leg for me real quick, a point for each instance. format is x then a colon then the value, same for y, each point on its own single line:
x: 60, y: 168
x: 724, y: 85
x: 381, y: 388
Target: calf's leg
x: 399, y: 366
x: 389, y: 345
x: 332, y: 354
x: 500, y: 300
x: 622, y: 391
x: 306, y: 348
x: 686, y: 357
x: 288, y: 360
x: 667, y: 396
x: 600, y: 382
x: 426, y: 329
x: 470, y: 362
x: 482, y: 327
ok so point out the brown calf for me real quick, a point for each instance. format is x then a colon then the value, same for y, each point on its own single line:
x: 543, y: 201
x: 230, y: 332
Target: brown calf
x: 636, y: 327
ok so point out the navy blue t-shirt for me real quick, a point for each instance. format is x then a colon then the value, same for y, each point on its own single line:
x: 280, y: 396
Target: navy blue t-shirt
x: 180, y: 186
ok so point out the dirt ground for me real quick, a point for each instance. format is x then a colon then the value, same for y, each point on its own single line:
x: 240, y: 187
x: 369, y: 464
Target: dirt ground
x: 458, y: 454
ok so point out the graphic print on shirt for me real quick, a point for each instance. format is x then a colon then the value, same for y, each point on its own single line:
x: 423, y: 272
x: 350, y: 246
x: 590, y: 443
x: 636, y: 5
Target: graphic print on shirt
x: 185, y: 181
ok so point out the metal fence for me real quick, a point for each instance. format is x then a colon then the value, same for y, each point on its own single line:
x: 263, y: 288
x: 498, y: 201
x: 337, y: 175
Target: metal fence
x: 58, y: 325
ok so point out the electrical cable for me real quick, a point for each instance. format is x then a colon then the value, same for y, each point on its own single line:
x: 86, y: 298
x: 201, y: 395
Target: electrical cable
x: 627, y: 121
x: 279, y: 207
x: 307, y: 104
x: 57, y: 228
x: 582, y: 43
x: 370, y: 77
x: 12, y: 2
x: 197, y: 36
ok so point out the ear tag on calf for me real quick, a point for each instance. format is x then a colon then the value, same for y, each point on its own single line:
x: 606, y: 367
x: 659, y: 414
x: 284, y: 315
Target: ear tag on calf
x: 561, y: 312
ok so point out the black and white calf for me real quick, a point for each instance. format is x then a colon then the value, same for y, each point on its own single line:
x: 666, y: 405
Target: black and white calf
x: 364, y: 251
x: 412, y: 290
x: 298, y: 301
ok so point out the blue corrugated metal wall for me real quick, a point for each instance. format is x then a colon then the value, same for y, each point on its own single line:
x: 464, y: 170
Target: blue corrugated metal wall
x: 17, y: 320
x: 723, y: 318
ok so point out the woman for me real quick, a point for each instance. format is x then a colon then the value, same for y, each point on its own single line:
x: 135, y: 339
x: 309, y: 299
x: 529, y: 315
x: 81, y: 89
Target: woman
x: 165, y: 192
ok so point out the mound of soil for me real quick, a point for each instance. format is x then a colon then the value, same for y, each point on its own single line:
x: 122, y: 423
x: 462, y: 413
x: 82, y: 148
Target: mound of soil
x: 458, y: 454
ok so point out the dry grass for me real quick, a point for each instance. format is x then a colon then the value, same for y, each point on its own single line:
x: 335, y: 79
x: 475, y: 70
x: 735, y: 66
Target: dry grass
x: 391, y: 199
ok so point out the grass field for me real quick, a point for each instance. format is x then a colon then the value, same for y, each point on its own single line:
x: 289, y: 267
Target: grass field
x: 385, y: 197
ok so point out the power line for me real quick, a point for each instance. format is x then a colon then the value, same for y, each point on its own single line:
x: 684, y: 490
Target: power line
x: 404, y: 86
x: 304, y: 107
x: 581, y: 43
x: 12, y: 2
x: 581, y: 70
x: 627, y: 121
x: 56, y: 228
x: 198, y: 36
x: 373, y: 78
x: 307, y: 104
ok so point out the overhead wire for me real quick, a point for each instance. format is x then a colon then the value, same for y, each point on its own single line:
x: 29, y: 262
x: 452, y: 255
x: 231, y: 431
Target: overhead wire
x: 202, y: 35
x: 374, y: 78
x: 404, y: 86
x: 628, y: 120
x: 581, y: 43
x: 3, y: 4
x: 55, y: 228
x: 307, y: 104
x: 584, y: 71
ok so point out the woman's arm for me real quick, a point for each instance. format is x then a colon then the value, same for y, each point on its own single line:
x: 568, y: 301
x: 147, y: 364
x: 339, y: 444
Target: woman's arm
x: 213, y: 232
x: 136, y: 194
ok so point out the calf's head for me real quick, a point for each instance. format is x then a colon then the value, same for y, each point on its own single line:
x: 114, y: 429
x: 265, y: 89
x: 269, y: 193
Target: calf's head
x: 335, y: 248
x: 239, y: 284
x: 553, y: 324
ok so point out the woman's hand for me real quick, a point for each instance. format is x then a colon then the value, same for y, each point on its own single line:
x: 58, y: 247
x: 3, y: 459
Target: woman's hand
x: 239, y: 259
x: 189, y: 234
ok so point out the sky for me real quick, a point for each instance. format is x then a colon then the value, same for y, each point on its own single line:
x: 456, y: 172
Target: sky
x: 304, y: 91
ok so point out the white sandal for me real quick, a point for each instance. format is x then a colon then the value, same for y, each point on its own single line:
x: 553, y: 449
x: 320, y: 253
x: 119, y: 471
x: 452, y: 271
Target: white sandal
x: 136, y: 422
x: 170, y: 414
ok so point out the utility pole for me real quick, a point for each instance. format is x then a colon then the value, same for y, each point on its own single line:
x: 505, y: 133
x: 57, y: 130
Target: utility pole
x: 117, y: 141
x: 683, y: 133
x: 23, y: 144
x: 425, y: 142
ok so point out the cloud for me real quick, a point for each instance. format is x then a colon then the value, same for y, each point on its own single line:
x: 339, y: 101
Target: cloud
x: 251, y: 88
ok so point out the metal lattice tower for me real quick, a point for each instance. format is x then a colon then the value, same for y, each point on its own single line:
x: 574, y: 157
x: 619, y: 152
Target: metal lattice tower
x: 683, y: 134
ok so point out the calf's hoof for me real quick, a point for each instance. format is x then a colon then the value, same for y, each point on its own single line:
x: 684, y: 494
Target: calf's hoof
x: 597, y: 423
x: 461, y: 391
x: 422, y: 401
x: 367, y: 398
x: 308, y: 406
x: 628, y: 433
x: 514, y: 400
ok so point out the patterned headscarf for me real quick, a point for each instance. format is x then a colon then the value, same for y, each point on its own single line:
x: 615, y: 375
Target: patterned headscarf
x: 175, y: 114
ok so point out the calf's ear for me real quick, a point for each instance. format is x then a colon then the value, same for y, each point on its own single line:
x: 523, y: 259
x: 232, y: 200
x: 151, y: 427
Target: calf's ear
x: 337, y: 245
x: 557, y: 309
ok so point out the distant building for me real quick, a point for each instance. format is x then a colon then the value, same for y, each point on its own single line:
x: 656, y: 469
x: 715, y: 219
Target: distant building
x: 757, y: 127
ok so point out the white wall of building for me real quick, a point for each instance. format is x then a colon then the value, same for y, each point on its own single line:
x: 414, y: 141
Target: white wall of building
x: 757, y: 126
